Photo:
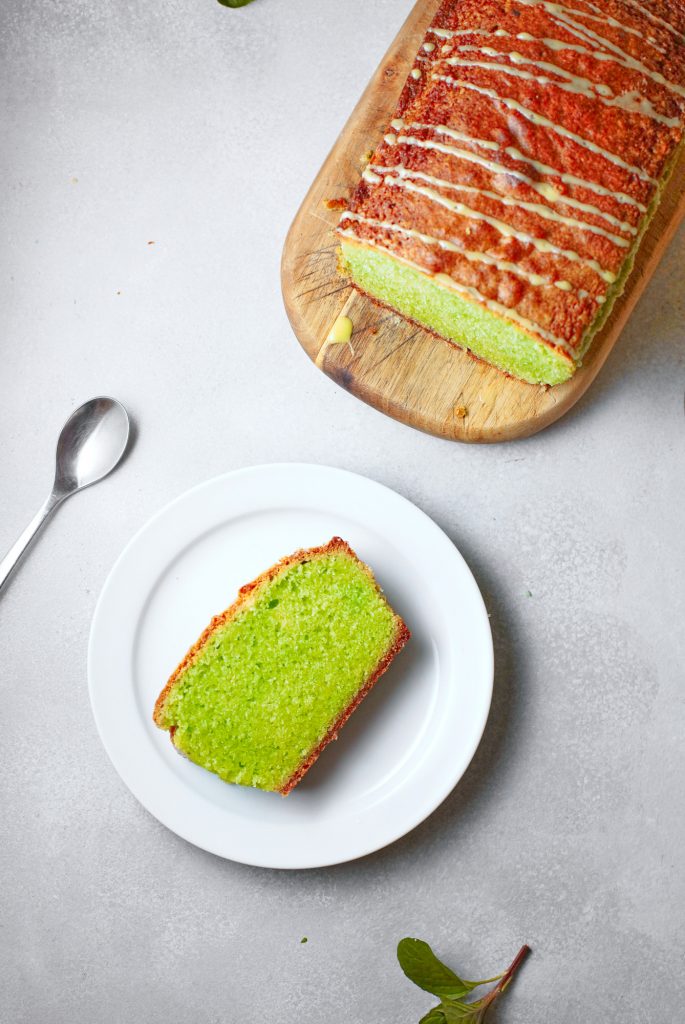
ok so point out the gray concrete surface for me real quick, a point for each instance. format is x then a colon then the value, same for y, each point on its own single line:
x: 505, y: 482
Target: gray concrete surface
x: 199, y: 128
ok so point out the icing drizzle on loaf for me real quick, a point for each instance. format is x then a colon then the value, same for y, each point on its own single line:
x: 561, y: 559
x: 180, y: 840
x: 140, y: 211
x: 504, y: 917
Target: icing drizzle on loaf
x: 529, y: 144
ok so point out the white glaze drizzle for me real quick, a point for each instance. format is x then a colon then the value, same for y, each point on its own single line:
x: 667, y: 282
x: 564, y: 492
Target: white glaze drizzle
x: 542, y: 211
x: 587, y: 35
x: 541, y: 244
x: 540, y: 119
x: 444, y: 33
x: 537, y: 280
x: 570, y: 179
x: 473, y: 293
x: 583, y: 84
x: 371, y: 177
x: 656, y: 20
x: 548, y: 191
x: 449, y: 33
x: 459, y: 136
x: 560, y: 13
x: 625, y: 60
x: 598, y: 10
x: 630, y: 102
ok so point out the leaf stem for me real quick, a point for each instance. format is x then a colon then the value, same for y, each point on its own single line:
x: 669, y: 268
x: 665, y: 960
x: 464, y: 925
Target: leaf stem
x: 513, y: 967
x: 507, y: 976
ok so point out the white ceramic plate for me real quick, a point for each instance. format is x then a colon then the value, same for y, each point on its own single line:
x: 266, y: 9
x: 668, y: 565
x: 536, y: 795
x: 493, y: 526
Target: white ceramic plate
x: 405, y: 747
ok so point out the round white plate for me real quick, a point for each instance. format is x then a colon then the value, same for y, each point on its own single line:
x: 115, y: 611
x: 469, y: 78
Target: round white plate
x: 405, y: 747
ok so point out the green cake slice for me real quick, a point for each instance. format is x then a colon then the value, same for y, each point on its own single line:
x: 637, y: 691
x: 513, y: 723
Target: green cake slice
x: 273, y: 679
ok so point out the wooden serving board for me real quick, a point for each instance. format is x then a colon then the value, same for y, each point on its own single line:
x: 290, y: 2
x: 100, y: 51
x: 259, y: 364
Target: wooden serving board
x: 393, y: 365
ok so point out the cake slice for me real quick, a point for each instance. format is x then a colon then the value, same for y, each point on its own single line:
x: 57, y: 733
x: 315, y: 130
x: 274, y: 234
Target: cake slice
x: 529, y: 149
x: 273, y: 679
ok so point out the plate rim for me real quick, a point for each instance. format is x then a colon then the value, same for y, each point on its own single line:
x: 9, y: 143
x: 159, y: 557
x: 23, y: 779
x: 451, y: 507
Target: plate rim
x: 449, y: 779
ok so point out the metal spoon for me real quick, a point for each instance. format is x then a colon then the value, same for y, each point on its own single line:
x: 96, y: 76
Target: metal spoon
x: 90, y: 445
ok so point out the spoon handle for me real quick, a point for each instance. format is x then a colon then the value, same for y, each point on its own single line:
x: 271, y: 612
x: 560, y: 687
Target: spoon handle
x: 14, y: 554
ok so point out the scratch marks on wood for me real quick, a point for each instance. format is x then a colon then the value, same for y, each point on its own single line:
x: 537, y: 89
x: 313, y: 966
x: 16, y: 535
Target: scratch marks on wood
x: 395, y: 350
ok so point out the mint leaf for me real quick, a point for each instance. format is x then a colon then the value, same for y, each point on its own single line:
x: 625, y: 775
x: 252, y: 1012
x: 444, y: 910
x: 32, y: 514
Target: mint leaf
x: 456, y: 1012
x: 434, y: 1016
x: 421, y: 965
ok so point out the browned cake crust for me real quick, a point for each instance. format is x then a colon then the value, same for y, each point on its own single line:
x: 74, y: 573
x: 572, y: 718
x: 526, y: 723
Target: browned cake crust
x: 246, y: 595
x: 526, y: 148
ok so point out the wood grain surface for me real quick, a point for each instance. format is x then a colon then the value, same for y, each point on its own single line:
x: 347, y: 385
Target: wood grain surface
x: 399, y: 368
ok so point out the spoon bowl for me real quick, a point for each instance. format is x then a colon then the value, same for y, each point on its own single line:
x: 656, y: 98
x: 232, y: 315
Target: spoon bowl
x: 91, y: 444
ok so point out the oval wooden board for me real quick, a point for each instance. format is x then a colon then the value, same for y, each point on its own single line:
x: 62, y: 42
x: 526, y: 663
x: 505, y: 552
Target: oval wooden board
x: 393, y: 365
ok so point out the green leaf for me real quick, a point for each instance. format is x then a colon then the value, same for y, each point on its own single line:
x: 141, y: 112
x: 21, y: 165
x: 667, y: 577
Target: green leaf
x: 421, y: 965
x: 434, y: 1016
x: 473, y: 1012
x: 455, y: 1013
x: 235, y: 3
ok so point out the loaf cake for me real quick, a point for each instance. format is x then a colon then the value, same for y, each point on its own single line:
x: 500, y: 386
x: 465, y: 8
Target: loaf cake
x: 273, y: 679
x: 530, y: 146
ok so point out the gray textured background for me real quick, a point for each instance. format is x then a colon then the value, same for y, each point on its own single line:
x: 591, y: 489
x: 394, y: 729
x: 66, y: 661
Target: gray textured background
x: 200, y: 128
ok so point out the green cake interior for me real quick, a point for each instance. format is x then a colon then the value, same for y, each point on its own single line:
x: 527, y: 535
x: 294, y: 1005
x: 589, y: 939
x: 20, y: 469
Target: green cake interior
x: 416, y: 296
x: 267, y: 686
